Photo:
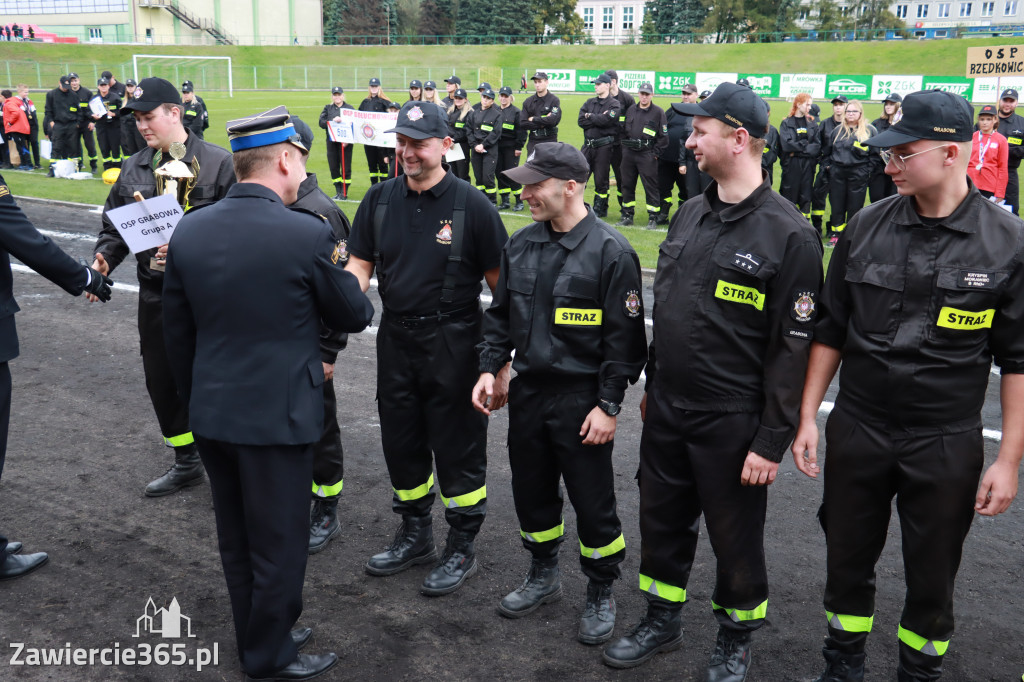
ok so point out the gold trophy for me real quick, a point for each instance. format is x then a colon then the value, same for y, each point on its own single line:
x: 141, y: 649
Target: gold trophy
x: 177, y: 179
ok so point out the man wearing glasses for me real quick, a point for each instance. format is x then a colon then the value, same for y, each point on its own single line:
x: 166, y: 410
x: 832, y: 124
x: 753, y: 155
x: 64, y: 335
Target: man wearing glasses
x: 923, y: 292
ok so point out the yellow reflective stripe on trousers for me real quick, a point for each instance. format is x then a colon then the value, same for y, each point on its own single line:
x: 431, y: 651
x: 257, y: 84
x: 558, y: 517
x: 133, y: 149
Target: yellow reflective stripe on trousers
x: 178, y: 441
x: 545, y: 535
x: 415, y: 493
x: 467, y: 500
x: 663, y: 590
x: 616, y: 545
x: 847, y: 623
x: 327, y: 490
x: 839, y: 228
x: 742, y: 615
x: 931, y: 647
x: 952, y: 318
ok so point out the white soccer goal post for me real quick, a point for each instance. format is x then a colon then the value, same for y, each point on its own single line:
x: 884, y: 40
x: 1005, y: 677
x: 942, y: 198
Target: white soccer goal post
x: 206, y: 73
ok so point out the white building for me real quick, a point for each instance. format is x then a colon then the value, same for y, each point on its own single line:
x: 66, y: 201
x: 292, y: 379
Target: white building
x: 612, y: 22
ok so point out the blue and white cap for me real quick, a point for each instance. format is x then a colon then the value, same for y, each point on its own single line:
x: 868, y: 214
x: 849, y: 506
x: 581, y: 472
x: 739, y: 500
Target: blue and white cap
x: 263, y: 130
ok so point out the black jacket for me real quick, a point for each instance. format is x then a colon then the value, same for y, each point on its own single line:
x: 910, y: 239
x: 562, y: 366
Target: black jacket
x: 799, y: 137
x: 331, y: 110
x: 546, y: 112
x: 484, y: 127
x: 847, y: 150
x: 194, y: 116
x: 571, y: 309
x: 456, y: 127
x: 62, y: 107
x: 1012, y: 128
x: 646, y: 127
x: 680, y: 126
x: 512, y: 133
x: 84, y: 95
x: 734, y: 298
x: 772, y: 147
x: 374, y: 104
x: 112, y: 103
x: 600, y: 117
x: 826, y: 135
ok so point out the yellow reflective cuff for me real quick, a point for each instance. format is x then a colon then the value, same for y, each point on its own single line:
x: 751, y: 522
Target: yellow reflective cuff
x: 578, y: 317
x: 951, y: 318
x: 327, y: 490
x: 663, y: 590
x: 821, y: 212
x: 617, y: 545
x: 467, y: 500
x: 931, y: 647
x: 742, y: 615
x: 545, y: 535
x: 178, y: 441
x: 847, y: 623
x: 415, y: 493
x: 629, y: 204
x: 1014, y: 140
x: 737, y: 294
x: 766, y: 150
x: 839, y: 228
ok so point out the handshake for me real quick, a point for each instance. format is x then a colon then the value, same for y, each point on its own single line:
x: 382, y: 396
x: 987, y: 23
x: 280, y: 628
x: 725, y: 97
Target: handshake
x: 97, y: 288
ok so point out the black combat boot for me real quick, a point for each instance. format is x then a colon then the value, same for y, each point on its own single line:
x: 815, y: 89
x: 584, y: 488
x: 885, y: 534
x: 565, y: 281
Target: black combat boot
x: 840, y: 667
x: 519, y: 204
x: 652, y: 224
x: 601, y: 206
x: 598, y: 618
x: 186, y: 471
x: 339, y: 191
x: 323, y: 523
x: 505, y: 205
x: 542, y: 586
x: 657, y: 632
x: 916, y: 665
x: 458, y: 564
x: 413, y: 544
x: 627, y: 218
x: 731, y: 657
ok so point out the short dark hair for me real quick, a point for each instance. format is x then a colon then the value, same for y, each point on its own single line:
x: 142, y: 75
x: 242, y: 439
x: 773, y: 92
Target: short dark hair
x: 249, y: 162
x: 6, y: 93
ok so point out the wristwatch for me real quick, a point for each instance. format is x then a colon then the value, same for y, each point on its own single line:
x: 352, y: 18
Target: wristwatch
x: 608, y: 407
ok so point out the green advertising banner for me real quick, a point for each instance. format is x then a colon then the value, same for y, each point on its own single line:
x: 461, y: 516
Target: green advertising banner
x: 853, y: 87
x: 958, y: 86
x: 764, y: 84
x: 585, y: 80
x: 672, y: 82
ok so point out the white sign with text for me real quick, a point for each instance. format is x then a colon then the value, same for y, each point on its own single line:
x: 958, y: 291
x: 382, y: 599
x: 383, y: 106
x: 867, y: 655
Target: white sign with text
x: 147, y: 224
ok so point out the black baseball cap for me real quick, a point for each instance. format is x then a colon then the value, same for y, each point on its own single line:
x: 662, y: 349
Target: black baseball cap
x: 1009, y: 93
x: 72, y: 75
x: 744, y: 82
x: 841, y: 99
x: 107, y: 75
x: 539, y: 76
x: 488, y: 93
x: 690, y: 88
x: 429, y: 85
x: 612, y: 73
x: 505, y: 90
x: 304, y: 131
x: 551, y: 160
x: 453, y: 79
x: 395, y: 105
x: 262, y: 130
x: 929, y: 115
x: 603, y: 78
x: 421, y: 120
x: 815, y: 110
x: 102, y: 81
x: 484, y: 86
x: 415, y: 84
x: 151, y: 93
x: 893, y: 97
x: 704, y: 94
x: 988, y: 110
x: 186, y: 86
x: 646, y: 87
x: 65, y: 81
x: 130, y: 81
x: 459, y: 92
x: 374, y: 81
x: 337, y: 90
x: 733, y: 105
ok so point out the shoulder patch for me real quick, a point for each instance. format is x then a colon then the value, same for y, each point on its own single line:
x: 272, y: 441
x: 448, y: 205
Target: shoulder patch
x: 633, y: 304
x: 340, y: 254
x: 5, y: 194
x: 804, y: 308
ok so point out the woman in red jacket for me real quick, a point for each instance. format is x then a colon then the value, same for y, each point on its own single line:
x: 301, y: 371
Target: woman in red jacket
x: 990, y: 154
x: 16, y: 127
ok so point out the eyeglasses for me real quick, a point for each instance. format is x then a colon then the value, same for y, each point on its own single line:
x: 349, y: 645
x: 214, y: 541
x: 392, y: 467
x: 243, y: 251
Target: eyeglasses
x: 901, y: 161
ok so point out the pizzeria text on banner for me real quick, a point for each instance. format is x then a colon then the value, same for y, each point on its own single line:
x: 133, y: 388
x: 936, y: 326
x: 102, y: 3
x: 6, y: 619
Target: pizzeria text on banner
x: 363, y: 127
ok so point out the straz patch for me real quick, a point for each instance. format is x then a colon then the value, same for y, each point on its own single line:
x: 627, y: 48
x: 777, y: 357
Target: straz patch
x: 634, y: 306
x: 728, y: 291
x: 747, y: 261
x: 340, y: 254
x: 444, y: 235
x: 803, y: 306
x: 974, y: 279
x: 951, y: 318
x: 578, y: 317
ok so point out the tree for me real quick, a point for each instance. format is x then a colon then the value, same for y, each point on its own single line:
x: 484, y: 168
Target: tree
x: 648, y: 30
x: 557, y: 18
x: 436, y: 18
x: 768, y: 19
x: 375, y: 20
x: 409, y: 13
x: 335, y: 12
x: 725, y: 18
x: 828, y: 18
x: 876, y: 18
x: 674, y: 17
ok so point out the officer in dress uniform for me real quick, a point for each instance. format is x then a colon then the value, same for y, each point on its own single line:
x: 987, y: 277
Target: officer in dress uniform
x: 108, y: 125
x: 510, y: 146
x: 431, y: 239
x: 599, y: 118
x: 644, y: 139
x: 924, y: 291
x: 579, y: 338
x: 196, y: 116
x: 375, y: 156
x: 541, y: 113
x: 339, y: 154
x: 19, y: 238
x: 157, y: 109
x: 248, y: 281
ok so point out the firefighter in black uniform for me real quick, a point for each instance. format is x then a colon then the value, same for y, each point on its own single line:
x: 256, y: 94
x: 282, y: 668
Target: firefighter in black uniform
x: 672, y: 173
x: 458, y: 113
x: 626, y: 100
x: 452, y: 83
x: 800, y: 142
x: 195, y: 110
x: 85, y: 124
x: 772, y: 148
x: 60, y: 121
x: 599, y: 118
x: 116, y: 86
x: 723, y: 384
x: 131, y: 139
x: 579, y: 339
x: 214, y: 174
x: 431, y: 240
x: 328, y: 453
x: 924, y: 291
x: 850, y: 168
x: 821, y: 182
x: 510, y: 146
x: 880, y: 185
x: 108, y: 126
x: 378, y: 167
x: 1011, y: 126
x: 541, y: 113
x: 484, y: 131
x: 339, y: 154
x: 644, y: 139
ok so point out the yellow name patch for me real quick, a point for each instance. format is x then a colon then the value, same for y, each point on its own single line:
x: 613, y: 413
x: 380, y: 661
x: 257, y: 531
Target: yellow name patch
x: 951, y: 318
x: 737, y: 294
x: 584, y: 317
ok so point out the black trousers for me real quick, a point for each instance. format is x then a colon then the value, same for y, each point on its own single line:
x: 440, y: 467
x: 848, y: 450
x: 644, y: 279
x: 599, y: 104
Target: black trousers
x: 339, y: 160
x: 934, y: 479
x: 328, y: 454
x: 690, y: 463
x: 1013, y: 190
x: 640, y: 163
x: 534, y: 141
x: 484, y: 166
x: 33, y: 142
x: 64, y: 142
x: 378, y: 168
x: 544, y: 446
x: 848, y: 188
x: 109, y: 137
x: 600, y: 160
x: 797, y: 182
x: 84, y: 135
x: 669, y: 178
x: 461, y: 168
x: 820, y: 193
x: 424, y: 376
x: 880, y: 186
x: 5, y: 424
x: 616, y: 164
x: 261, y: 501
x: 507, y: 159
x: 171, y: 411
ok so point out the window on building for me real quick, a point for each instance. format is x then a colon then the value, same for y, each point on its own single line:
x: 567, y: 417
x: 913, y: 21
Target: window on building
x: 943, y: 10
x: 942, y: 34
x: 627, y: 18
x: 988, y: 9
x: 901, y: 11
x: 588, y: 18
x: 803, y: 15
x: 965, y: 9
x: 1010, y: 8
x: 845, y: 11
x: 608, y: 18
x: 95, y: 33
x: 922, y: 11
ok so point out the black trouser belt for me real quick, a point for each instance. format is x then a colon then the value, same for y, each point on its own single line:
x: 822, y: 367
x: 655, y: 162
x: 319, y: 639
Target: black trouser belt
x: 638, y: 144
x: 559, y: 383
x: 545, y: 132
x: 434, y: 318
x: 599, y: 141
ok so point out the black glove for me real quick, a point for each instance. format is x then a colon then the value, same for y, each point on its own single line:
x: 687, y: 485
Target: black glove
x: 99, y: 285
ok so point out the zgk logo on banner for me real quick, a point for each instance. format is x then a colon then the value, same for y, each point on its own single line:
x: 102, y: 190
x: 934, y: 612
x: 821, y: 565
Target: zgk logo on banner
x: 578, y: 317
x: 951, y: 318
x: 737, y: 294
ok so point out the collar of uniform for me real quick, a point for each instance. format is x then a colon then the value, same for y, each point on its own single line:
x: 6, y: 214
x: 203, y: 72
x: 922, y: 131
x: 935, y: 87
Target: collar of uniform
x: 252, y: 190
x: 964, y: 219
x: 741, y: 209
x: 438, y: 189
x: 191, y: 142
x: 573, y: 237
x: 307, y: 185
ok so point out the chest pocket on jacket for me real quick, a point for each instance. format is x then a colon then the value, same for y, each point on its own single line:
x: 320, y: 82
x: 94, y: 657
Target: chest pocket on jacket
x: 667, y: 272
x: 738, y: 284
x: 876, y: 290
x: 127, y: 191
x: 521, y: 283
x: 577, y: 301
x: 964, y: 304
